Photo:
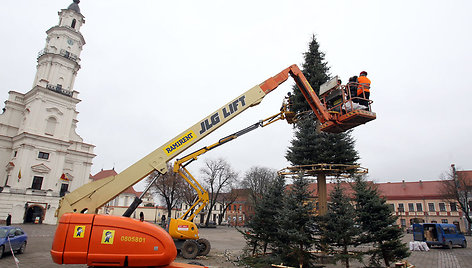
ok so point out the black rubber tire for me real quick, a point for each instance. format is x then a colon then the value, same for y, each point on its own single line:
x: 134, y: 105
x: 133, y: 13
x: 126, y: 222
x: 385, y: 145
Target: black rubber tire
x: 189, y: 249
x: 2, y: 251
x: 464, y: 244
x: 196, y: 263
x: 22, y: 249
x: 204, y: 246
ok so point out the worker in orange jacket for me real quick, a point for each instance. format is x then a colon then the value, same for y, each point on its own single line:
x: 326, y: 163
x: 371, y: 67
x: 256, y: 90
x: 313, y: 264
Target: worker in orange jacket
x: 363, y: 88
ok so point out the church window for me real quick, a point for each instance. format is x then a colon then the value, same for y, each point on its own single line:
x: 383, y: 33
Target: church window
x: 37, y: 182
x: 51, y: 126
x: 43, y: 155
x: 73, y: 23
x: 15, y: 153
x: 64, y: 188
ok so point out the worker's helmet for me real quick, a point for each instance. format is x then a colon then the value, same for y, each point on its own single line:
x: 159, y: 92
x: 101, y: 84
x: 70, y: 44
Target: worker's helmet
x: 363, y: 73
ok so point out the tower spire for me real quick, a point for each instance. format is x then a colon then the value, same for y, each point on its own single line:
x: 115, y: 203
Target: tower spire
x: 59, y: 61
x: 75, y: 6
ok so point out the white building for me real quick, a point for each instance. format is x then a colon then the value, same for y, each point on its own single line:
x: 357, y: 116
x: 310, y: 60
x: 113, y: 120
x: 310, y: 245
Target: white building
x: 41, y: 156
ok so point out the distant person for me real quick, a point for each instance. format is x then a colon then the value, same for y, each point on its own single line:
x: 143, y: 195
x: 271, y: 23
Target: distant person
x: 141, y: 216
x: 8, y: 221
x: 363, y: 89
x: 287, y: 103
x: 352, y: 85
x: 339, y: 84
x: 163, y: 221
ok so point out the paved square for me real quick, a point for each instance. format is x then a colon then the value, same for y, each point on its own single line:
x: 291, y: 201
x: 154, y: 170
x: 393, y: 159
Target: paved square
x: 226, y: 242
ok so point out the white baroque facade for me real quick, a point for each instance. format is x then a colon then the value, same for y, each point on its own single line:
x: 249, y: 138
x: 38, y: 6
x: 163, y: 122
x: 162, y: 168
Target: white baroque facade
x: 41, y: 156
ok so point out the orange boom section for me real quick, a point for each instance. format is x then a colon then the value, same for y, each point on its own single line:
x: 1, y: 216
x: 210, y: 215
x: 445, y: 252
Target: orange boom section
x: 103, y: 240
x: 335, y: 119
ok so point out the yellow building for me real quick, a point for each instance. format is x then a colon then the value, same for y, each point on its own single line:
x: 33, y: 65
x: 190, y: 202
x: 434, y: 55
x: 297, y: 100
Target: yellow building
x: 412, y: 202
x: 420, y: 201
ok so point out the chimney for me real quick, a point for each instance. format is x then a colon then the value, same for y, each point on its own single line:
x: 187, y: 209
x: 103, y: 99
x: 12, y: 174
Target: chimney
x: 403, y: 184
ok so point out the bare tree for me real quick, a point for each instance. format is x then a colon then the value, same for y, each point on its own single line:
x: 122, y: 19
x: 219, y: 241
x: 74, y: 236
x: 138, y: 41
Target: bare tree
x: 257, y: 180
x: 457, y: 187
x: 189, y: 196
x: 218, y: 177
x: 168, y: 187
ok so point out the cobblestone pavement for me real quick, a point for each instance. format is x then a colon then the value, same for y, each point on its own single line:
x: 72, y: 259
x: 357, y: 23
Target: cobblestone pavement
x: 223, y: 239
x: 443, y: 258
x: 437, y: 257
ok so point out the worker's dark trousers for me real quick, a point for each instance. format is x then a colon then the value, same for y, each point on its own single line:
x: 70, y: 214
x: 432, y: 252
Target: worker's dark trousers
x: 365, y: 100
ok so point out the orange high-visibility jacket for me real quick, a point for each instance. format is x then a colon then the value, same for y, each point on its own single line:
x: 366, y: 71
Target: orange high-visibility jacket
x: 364, y: 85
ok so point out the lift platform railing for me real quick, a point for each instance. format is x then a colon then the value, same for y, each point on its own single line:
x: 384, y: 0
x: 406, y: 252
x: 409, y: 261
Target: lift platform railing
x: 345, y: 107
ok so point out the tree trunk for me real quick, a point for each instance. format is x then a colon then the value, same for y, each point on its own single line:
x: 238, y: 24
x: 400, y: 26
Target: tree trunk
x: 300, y: 256
x: 345, y: 252
x: 210, y: 210
x: 384, y: 255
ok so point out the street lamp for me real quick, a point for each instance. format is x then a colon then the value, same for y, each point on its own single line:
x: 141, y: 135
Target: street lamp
x: 155, y: 214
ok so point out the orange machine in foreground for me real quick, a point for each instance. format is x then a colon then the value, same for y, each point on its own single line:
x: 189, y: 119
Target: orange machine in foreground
x: 103, y: 240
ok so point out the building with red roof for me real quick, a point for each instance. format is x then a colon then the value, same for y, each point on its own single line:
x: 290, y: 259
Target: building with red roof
x: 419, y: 201
x: 241, y: 209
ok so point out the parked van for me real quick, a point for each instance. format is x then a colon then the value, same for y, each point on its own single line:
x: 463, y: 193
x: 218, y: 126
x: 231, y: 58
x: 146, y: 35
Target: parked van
x: 435, y: 234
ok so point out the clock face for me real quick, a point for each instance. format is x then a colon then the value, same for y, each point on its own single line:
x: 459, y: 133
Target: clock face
x: 70, y: 42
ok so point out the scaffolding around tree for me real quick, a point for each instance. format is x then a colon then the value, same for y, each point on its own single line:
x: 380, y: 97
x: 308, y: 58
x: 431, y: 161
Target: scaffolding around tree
x: 322, y: 172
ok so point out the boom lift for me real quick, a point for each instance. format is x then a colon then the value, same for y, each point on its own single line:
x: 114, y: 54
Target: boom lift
x: 189, y: 247
x: 82, y: 237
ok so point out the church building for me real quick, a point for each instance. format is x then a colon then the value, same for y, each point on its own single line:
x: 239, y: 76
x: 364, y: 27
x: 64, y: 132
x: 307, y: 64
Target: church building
x: 41, y: 156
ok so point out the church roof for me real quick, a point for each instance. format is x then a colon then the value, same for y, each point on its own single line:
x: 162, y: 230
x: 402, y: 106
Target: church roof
x: 103, y: 174
x: 111, y: 172
x: 75, y: 6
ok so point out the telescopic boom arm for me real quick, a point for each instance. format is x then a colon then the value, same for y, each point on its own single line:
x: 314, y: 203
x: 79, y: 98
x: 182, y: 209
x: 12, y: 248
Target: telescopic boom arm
x: 180, y: 164
x: 90, y: 197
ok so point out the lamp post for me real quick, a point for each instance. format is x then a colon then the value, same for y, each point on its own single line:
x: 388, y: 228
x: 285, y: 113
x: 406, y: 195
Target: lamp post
x: 155, y: 214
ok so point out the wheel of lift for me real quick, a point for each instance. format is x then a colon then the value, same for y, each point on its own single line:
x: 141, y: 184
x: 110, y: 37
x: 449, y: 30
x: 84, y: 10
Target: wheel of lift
x: 189, y: 249
x: 196, y: 263
x: 204, y: 246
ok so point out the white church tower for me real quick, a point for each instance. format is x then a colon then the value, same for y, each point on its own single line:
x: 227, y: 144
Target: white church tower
x: 41, y: 156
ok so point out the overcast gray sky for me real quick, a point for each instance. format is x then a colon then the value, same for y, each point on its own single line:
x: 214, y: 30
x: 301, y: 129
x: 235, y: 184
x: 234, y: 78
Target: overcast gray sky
x: 151, y: 69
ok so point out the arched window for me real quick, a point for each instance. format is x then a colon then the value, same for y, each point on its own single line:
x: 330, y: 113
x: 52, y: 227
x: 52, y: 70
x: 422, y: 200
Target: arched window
x: 51, y: 126
x: 73, y: 23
